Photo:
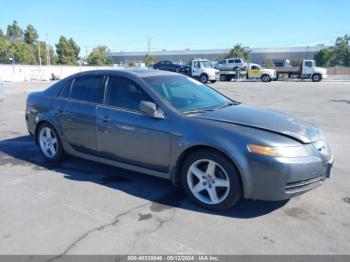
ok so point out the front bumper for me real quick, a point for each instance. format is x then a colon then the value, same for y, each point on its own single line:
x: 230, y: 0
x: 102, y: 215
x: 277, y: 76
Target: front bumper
x: 280, y: 179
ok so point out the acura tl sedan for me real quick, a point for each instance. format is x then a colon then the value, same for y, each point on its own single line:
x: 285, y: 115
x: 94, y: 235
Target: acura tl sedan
x: 171, y: 126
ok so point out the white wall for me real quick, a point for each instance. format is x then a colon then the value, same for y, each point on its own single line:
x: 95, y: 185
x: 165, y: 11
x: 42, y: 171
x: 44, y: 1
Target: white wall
x: 12, y: 73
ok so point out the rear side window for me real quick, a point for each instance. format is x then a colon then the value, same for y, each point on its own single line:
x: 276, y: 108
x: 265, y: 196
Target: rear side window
x: 88, y: 89
x: 55, y: 89
x: 231, y: 60
x: 237, y: 61
x: 66, y: 88
x: 124, y: 93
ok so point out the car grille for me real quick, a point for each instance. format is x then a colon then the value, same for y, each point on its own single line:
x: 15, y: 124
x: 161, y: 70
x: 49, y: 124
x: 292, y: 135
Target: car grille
x: 303, y: 185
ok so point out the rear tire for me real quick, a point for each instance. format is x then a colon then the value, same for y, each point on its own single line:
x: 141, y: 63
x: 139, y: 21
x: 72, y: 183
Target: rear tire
x: 210, y: 180
x: 50, y: 143
x: 223, y: 78
x: 177, y: 70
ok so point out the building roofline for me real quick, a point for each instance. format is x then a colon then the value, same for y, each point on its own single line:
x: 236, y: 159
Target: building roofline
x: 219, y: 51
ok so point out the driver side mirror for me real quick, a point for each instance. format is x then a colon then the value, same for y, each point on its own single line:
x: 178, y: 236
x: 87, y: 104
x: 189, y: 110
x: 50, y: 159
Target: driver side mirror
x: 150, y: 109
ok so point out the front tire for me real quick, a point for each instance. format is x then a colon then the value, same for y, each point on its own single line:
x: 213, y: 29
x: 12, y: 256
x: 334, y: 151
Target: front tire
x: 203, y: 78
x: 211, y: 181
x: 177, y: 70
x: 213, y: 81
x: 49, y: 143
x: 316, y: 78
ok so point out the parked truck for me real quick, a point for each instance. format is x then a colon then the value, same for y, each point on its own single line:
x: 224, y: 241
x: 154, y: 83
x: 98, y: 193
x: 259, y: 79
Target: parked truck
x: 202, y: 70
x: 307, y: 70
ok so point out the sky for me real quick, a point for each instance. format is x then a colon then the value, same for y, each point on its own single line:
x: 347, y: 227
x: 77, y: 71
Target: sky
x: 127, y: 25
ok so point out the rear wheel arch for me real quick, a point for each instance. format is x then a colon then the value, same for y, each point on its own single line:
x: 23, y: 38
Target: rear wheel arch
x: 176, y: 177
x: 37, y: 128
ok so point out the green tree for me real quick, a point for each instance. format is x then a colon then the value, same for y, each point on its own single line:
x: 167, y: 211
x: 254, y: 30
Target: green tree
x: 269, y: 64
x: 30, y: 35
x: 295, y: 62
x: 341, y: 52
x: 67, y: 51
x: 149, y: 60
x: 323, y: 57
x: 98, y: 57
x: 5, y: 53
x: 239, y: 52
x: 14, y: 31
x: 22, y: 53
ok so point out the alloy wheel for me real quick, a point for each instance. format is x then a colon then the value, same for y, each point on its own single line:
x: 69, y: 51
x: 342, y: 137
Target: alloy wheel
x: 48, y: 142
x: 208, y: 181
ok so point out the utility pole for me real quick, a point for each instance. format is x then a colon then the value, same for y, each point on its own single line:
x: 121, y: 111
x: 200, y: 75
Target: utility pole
x: 48, y: 62
x: 86, y: 52
x: 38, y: 43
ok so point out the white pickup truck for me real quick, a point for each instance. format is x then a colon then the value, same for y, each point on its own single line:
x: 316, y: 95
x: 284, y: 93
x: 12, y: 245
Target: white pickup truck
x: 202, y: 70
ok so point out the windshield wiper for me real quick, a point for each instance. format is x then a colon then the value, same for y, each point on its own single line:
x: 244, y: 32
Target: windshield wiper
x: 227, y: 105
x: 199, y: 111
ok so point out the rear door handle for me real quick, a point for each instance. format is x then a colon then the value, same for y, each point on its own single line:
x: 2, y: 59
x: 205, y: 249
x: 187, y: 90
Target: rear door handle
x: 105, y: 119
x: 60, y: 110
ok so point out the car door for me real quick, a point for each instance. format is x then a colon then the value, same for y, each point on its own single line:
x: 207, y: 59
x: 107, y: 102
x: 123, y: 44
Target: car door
x: 196, y: 68
x: 308, y: 68
x: 125, y: 134
x: 77, y: 112
x: 253, y: 72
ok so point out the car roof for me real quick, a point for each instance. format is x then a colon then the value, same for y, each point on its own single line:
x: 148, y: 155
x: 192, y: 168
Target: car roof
x: 138, y: 72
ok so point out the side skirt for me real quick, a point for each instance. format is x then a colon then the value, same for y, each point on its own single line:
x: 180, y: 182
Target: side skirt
x: 71, y: 151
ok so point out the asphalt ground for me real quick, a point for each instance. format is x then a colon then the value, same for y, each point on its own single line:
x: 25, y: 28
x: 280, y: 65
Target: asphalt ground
x: 81, y: 207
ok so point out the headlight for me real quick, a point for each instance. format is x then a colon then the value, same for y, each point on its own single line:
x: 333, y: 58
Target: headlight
x: 279, y: 151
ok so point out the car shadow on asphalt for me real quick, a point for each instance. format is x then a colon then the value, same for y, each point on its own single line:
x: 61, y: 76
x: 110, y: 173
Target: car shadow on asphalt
x: 22, y: 151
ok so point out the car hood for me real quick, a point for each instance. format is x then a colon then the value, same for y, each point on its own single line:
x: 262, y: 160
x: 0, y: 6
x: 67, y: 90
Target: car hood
x: 265, y: 119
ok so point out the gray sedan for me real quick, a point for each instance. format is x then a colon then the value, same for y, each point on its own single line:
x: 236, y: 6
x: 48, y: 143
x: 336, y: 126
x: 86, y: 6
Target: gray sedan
x: 171, y: 126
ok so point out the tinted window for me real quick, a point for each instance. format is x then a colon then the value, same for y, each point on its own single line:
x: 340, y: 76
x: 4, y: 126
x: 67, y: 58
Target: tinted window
x: 66, y: 88
x: 88, y: 88
x: 124, y: 93
x: 55, y: 89
x: 231, y: 61
x: 254, y: 68
x: 237, y: 61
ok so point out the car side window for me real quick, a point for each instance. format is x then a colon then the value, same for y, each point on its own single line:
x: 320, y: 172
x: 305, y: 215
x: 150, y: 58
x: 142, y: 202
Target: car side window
x: 124, y: 93
x: 66, y: 89
x: 88, y: 89
x: 237, y: 61
x: 254, y: 68
x: 231, y: 61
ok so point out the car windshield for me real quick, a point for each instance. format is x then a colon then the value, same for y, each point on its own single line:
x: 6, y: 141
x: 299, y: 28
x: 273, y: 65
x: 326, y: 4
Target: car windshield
x: 186, y: 94
x: 204, y: 64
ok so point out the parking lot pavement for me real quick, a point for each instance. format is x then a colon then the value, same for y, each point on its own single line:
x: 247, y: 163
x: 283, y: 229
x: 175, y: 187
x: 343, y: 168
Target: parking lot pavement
x: 81, y: 207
